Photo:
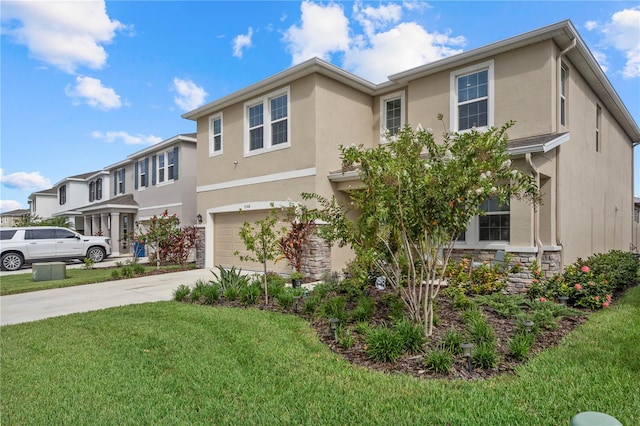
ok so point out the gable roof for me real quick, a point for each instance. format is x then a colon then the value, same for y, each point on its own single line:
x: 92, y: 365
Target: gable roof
x: 562, y: 33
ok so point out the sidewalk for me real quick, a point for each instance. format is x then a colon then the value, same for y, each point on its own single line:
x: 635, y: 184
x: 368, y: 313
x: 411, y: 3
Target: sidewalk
x: 37, y: 305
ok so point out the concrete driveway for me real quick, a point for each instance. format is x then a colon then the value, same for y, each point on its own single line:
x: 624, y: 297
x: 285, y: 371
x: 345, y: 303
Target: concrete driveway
x: 37, y: 305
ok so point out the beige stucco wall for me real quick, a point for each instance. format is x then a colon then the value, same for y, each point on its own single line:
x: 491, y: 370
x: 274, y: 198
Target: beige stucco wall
x: 595, y: 191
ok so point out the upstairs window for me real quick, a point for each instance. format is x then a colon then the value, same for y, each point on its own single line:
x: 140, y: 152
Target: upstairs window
x: 118, y: 182
x: 62, y: 195
x: 598, y: 124
x: 92, y: 191
x: 494, y: 225
x: 472, y: 97
x: 267, y: 123
x: 563, y: 95
x: 141, y: 171
x: 215, y: 135
x: 99, y: 189
x: 392, y: 113
x: 165, y: 167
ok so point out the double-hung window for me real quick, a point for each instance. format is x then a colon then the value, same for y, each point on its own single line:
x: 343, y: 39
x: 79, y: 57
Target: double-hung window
x: 267, y: 124
x: 215, y: 135
x: 392, y: 113
x: 141, y: 170
x: 472, y: 97
x: 563, y: 95
x: 120, y: 181
x: 92, y: 191
x: 494, y: 225
x: 99, y: 189
x: 165, y: 167
x: 62, y: 195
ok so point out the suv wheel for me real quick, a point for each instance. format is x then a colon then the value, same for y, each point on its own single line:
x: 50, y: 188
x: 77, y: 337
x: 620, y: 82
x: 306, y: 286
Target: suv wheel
x: 96, y: 254
x: 12, y: 261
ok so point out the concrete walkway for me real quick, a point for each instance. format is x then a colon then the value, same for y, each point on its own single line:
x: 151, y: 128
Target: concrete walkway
x: 37, y: 305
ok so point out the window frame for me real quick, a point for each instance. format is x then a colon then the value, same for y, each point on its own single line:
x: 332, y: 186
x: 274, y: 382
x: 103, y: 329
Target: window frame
x: 120, y: 182
x: 454, y: 104
x: 62, y: 195
x: 564, y: 79
x: 212, y: 135
x: 164, y: 170
x: 267, y: 123
x: 98, y: 189
x: 598, y: 128
x: 497, y: 212
x: 384, y: 100
x: 92, y: 191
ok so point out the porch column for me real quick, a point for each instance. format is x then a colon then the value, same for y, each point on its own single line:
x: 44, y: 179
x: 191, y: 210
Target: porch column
x: 104, y: 224
x: 115, y: 234
x: 88, y: 229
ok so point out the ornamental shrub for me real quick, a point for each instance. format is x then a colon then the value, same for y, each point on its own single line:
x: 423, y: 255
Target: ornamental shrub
x: 618, y: 267
x: 181, y: 292
x: 439, y: 360
x: 384, y: 344
x: 411, y: 336
x: 483, y: 279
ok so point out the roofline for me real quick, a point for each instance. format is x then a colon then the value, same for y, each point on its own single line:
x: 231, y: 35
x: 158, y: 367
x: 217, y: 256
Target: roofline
x: 160, y: 145
x: 543, y: 147
x: 310, y: 66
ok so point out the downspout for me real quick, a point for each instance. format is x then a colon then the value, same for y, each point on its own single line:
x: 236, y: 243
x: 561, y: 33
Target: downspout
x: 557, y: 177
x: 536, y: 213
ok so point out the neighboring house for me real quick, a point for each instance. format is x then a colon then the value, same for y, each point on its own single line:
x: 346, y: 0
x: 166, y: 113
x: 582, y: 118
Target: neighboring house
x: 9, y: 219
x: 150, y: 181
x: 271, y: 141
x: 43, y: 204
x: 73, y: 193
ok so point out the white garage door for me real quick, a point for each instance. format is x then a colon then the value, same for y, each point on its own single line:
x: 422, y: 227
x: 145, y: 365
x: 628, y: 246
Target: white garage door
x: 226, y: 241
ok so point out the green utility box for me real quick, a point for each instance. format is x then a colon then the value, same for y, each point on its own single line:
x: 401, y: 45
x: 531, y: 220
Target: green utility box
x: 49, y: 271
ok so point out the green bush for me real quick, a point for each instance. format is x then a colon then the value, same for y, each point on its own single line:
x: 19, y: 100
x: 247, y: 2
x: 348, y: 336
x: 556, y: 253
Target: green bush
x: 181, y: 292
x: 411, y: 336
x: 507, y: 306
x: 249, y: 295
x: 364, y: 310
x: 363, y: 328
x: 211, y: 294
x: 335, y: 307
x: 439, y: 360
x: 231, y: 293
x: 345, y: 340
x: 127, y: 271
x: 311, y: 304
x: 285, y: 298
x: 484, y: 355
x: 115, y: 274
x: 275, y: 284
x: 479, y: 330
x: 618, y: 267
x: 452, y: 340
x: 483, y: 279
x: 322, y: 289
x: 230, y: 278
x: 198, y: 291
x: 384, y: 344
x: 138, y: 269
x: 520, y: 345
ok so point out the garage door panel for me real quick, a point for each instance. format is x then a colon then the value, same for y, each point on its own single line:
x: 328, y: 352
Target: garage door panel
x: 226, y: 241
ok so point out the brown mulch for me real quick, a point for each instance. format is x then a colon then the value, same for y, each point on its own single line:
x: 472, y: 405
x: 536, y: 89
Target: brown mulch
x: 448, y: 317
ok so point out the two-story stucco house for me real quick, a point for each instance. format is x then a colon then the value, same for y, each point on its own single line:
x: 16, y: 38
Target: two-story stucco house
x: 118, y: 200
x: 271, y: 141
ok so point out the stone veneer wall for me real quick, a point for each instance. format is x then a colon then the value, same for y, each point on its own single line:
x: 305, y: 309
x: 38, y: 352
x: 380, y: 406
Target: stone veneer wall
x: 518, y: 282
x: 200, y: 247
x: 316, y: 261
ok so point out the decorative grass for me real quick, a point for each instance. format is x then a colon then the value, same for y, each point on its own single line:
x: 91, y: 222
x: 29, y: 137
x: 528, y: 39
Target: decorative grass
x: 173, y: 363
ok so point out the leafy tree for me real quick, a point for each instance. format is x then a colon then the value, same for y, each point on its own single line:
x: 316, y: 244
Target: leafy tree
x: 417, y: 197
x: 262, y: 243
x: 171, y: 244
x: 35, y: 220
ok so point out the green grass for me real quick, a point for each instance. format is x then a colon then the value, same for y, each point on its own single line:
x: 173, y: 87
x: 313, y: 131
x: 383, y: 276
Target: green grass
x: 173, y: 363
x: 23, y: 283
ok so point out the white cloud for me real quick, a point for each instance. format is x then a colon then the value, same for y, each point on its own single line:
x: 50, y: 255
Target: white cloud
x: 189, y: 96
x: 385, y: 45
x: 65, y: 34
x: 323, y: 30
x: 128, y: 139
x: 241, y: 42
x: 601, y: 57
x: 622, y: 32
x: 591, y: 25
x: 25, y: 181
x: 9, y: 205
x: 94, y: 94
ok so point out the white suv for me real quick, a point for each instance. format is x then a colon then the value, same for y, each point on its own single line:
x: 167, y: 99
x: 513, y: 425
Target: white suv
x: 38, y: 243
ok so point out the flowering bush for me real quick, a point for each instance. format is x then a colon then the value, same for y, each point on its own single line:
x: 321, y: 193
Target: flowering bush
x: 619, y: 268
x: 579, y: 283
x: 484, y: 279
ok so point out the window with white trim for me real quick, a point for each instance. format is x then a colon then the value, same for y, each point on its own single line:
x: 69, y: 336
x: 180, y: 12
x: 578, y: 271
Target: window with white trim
x: 598, y: 124
x: 92, y: 191
x: 472, y: 97
x: 267, y: 124
x: 392, y: 113
x: 215, y: 135
x: 62, y: 195
x: 99, y: 189
x: 165, y: 166
x: 495, y: 224
x: 563, y: 95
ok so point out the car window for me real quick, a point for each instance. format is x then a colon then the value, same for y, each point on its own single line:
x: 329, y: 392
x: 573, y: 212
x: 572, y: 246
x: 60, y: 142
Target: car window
x: 64, y: 233
x: 38, y: 234
x: 7, y: 235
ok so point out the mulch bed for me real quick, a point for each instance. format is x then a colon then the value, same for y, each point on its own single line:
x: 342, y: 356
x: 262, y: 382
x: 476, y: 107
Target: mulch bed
x: 448, y: 317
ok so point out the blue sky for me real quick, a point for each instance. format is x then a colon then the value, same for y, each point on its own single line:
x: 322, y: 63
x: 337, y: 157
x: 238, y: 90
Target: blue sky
x: 84, y: 84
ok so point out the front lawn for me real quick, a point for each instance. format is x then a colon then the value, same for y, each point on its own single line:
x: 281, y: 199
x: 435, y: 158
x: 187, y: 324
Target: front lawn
x: 23, y: 283
x: 173, y: 363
